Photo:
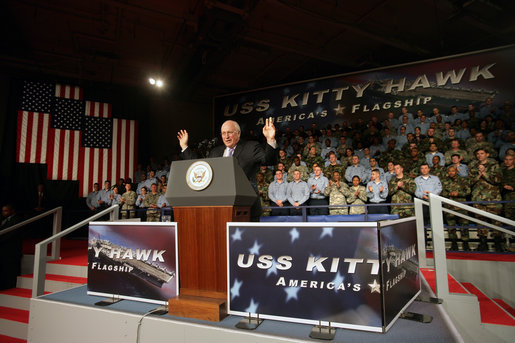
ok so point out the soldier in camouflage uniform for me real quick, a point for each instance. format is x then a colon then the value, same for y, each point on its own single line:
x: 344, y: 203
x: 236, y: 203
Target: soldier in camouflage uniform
x: 479, y: 142
x: 485, y: 178
x: 337, y: 191
x: 333, y: 166
x: 128, y: 201
x: 391, y: 154
x: 358, y: 195
x: 267, y: 174
x: 412, y: 164
x: 312, y: 143
x: 437, y: 169
x: 150, y: 202
x: 456, y: 188
x: 313, y: 158
x: 402, y: 188
x: 304, y: 171
x: 508, y: 186
x: 284, y: 159
x: 262, y: 188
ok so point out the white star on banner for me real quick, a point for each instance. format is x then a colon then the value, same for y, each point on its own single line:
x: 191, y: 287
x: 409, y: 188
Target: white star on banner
x: 252, y: 307
x: 255, y: 248
x: 291, y: 293
x: 272, y: 269
x: 338, y: 279
x: 236, y: 236
x: 327, y: 231
x: 294, y: 234
x: 374, y: 287
x: 235, y: 289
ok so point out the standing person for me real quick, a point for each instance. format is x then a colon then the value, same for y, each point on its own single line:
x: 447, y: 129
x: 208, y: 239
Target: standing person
x: 377, y: 191
x: 358, y: 196
x: 355, y: 169
x: 150, y: 202
x: 317, y: 184
x: 249, y: 154
x: 140, y: 204
x: 426, y: 184
x: 485, y: 177
x: 298, y: 193
x: 337, y: 191
x: 105, y: 195
x: 128, y: 201
x: 278, y: 194
x: 262, y: 188
x: 508, y: 185
x: 10, y: 248
x: 456, y: 188
x: 93, y: 198
x: 402, y: 188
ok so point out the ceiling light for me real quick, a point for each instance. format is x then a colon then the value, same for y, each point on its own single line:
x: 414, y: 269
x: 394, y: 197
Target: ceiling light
x: 152, y: 81
x: 159, y: 83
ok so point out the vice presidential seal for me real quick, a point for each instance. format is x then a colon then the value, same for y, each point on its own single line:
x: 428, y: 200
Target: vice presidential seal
x: 199, y: 175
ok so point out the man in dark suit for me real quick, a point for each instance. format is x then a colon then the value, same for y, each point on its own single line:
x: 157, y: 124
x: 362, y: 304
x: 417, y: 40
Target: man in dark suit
x: 249, y: 154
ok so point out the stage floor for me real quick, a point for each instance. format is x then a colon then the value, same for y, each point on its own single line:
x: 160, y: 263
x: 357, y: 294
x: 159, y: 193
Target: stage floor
x: 71, y: 316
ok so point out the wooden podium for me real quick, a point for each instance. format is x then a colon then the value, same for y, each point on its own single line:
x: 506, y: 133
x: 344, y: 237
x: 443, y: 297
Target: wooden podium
x: 201, y: 217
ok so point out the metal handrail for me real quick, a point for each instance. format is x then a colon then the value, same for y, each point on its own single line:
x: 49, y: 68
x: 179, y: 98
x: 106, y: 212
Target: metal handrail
x: 437, y: 228
x: 56, y: 227
x: 40, y: 258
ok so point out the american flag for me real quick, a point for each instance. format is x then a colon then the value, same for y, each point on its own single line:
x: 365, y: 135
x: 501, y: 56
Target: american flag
x: 77, y: 139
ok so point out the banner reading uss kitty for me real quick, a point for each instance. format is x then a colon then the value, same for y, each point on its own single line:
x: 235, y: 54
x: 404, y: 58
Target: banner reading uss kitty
x: 455, y: 80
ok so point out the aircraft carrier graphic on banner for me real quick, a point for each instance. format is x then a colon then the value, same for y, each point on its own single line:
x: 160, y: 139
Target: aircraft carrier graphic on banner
x: 109, y: 253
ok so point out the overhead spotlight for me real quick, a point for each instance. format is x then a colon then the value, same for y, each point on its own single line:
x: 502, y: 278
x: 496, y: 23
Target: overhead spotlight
x: 152, y: 81
x: 159, y: 83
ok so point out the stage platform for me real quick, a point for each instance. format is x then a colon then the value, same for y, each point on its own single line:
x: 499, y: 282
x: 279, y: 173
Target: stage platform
x: 71, y: 316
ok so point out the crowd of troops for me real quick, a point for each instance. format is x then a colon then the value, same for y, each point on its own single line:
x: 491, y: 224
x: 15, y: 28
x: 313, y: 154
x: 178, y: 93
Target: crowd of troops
x: 467, y: 156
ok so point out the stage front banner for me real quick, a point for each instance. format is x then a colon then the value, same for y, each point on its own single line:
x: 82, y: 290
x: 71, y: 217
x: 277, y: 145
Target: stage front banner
x: 323, y: 272
x: 133, y: 260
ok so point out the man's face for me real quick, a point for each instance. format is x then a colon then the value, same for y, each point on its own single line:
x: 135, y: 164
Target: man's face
x: 373, y: 162
x: 375, y: 175
x: 95, y: 187
x: 107, y: 185
x: 296, y: 175
x: 482, y: 155
x: 280, y: 166
x: 143, y: 177
x: 398, y: 169
x: 355, y: 160
x: 128, y: 187
x: 403, y: 130
x: 479, y: 137
x: 336, y: 176
x: 279, y: 175
x: 390, y: 115
x: 436, y: 160
x: 332, y: 158
x: 313, y: 151
x: 153, y: 188
x: 424, y: 169
x: 152, y: 174
x: 509, y: 161
x: 143, y: 191
x: 317, y: 171
x: 5, y: 212
x: 355, y: 181
x: 296, y: 161
x: 432, y: 148
x: 260, y: 177
x: 455, y: 159
x: 414, y: 152
x: 430, y: 132
x: 452, y: 172
x: 282, y: 154
x: 230, y: 134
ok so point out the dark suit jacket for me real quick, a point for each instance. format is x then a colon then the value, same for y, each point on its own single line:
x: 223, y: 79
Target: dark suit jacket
x: 249, y: 154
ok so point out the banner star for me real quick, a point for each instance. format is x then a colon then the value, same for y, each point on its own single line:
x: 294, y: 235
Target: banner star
x: 339, y: 110
x: 252, y: 307
x: 294, y: 234
x: 374, y: 287
x: 327, y: 231
x: 291, y: 293
x: 255, y: 248
x: 236, y: 236
x: 235, y: 289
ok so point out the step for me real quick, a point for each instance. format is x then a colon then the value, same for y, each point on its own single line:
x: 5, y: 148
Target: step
x: 14, y: 322
x: 454, y: 285
x: 491, y: 313
x: 9, y: 339
x: 53, y: 282
x: 505, y: 306
x: 16, y: 298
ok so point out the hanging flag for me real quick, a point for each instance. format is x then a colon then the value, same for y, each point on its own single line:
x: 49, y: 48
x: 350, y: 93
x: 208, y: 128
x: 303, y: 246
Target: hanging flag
x: 77, y: 139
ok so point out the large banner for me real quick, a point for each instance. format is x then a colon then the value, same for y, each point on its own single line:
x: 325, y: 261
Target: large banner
x: 442, y: 83
x: 133, y: 260
x: 309, y: 272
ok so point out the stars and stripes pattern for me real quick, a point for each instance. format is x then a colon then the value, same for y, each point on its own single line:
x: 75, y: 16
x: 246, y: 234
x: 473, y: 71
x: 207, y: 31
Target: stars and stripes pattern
x: 78, y: 140
x: 271, y: 288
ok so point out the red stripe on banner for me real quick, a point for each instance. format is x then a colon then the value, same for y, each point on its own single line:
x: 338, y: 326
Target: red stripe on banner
x: 39, y: 137
x: 71, y: 156
x: 81, y: 93
x: 18, y: 136
x: 61, y: 155
x: 50, y: 153
x: 128, y: 152
x: 83, y: 185
x: 100, y: 168
x: 118, y: 148
x: 90, y: 171
x: 30, y: 135
x: 135, y: 152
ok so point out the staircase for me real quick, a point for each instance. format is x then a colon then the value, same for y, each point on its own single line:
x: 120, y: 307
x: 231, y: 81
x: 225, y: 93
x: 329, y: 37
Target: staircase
x: 496, y: 318
x: 68, y: 272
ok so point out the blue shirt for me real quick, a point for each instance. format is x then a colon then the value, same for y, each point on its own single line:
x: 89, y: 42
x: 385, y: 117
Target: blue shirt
x: 463, y: 170
x: 376, y: 195
x: 298, y: 192
x: 430, y: 155
x: 353, y: 170
x: 278, y: 191
x: 139, y: 201
x: 320, y: 183
x: 104, y: 196
x: 162, y: 201
x: 432, y: 184
x: 368, y: 174
x: 92, y: 200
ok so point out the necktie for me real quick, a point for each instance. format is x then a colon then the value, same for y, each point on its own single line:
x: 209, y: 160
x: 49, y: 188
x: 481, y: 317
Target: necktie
x: 231, y: 150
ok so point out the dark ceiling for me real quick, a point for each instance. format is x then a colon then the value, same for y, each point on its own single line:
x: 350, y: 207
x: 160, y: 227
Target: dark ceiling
x: 204, y: 48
